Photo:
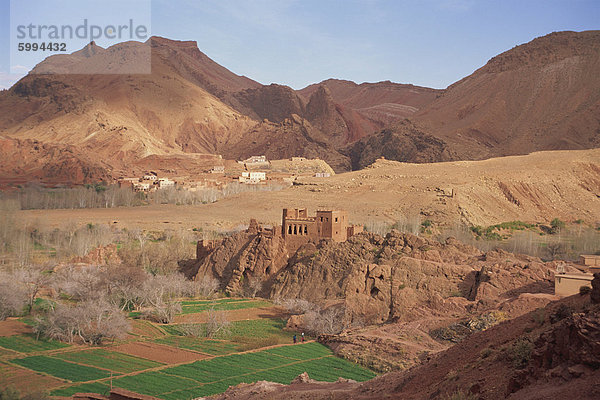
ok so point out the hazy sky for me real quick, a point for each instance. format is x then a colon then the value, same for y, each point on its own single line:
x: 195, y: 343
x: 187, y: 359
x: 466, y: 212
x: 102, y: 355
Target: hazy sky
x: 297, y: 42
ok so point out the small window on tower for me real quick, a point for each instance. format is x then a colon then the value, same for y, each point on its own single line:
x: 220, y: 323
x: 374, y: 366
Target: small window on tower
x: 336, y: 219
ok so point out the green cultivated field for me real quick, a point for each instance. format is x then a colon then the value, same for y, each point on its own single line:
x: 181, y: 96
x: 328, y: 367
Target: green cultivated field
x: 62, y: 369
x: 88, y: 370
x: 306, y: 352
x: 111, y: 360
x: 206, y: 377
x: 206, y: 346
x: 28, y: 344
x: 154, y: 383
x: 260, y: 328
x: 240, y: 330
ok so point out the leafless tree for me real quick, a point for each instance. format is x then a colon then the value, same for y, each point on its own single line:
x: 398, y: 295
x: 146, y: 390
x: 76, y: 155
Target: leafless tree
x: 217, y: 323
x: 93, y: 322
x: 79, y: 282
x: 163, y: 311
x: 205, y: 286
x: 252, y: 286
x: 159, y: 294
x: 31, y: 279
x: 193, y: 330
x: 23, y: 246
x: 297, y: 306
x: 328, y: 321
x: 13, y: 297
x: 123, y: 286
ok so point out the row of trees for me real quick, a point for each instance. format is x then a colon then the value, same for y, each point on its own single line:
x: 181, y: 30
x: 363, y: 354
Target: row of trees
x: 108, y: 196
x: 88, y: 196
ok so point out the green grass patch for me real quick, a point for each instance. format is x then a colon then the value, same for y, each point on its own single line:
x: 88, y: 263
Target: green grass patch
x: 111, y: 360
x: 492, y: 232
x: 28, y: 343
x: 62, y: 369
x: 94, y: 387
x: 27, y: 320
x: 41, y: 304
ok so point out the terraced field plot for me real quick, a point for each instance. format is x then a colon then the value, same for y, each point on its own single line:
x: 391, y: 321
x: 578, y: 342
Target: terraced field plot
x: 111, y: 360
x: 62, y: 369
x: 206, y: 346
x: 244, y: 335
x: 159, y: 352
x: 25, y: 380
x: 261, y: 328
x: 29, y: 344
x: 247, y: 328
x: 190, y: 307
x: 212, y: 376
x: 94, y: 387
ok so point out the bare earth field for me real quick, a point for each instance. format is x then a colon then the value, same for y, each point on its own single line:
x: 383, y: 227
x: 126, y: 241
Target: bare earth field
x: 25, y: 380
x: 535, y: 187
x: 158, y: 352
x: 13, y: 327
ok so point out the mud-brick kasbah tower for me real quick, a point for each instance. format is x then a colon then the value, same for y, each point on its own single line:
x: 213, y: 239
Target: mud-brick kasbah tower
x: 297, y: 228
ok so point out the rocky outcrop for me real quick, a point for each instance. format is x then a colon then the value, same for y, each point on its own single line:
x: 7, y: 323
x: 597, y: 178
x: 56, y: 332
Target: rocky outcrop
x: 273, y: 102
x: 568, y: 351
x: 403, y: 142
x: 256, y: 253
x: 394, y: 277
x: 102, y: 255
x: 595, y: 294
x: 322, y: 112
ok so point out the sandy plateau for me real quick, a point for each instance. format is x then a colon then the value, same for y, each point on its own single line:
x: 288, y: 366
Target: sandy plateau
x: 536, y: 187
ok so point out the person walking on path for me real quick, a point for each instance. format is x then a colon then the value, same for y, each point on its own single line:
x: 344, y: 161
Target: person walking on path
x: 302, y: 337
x: 294, y: 339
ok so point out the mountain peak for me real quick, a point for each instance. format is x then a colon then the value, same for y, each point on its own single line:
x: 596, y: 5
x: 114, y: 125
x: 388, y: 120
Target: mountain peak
x: 545, y: 50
